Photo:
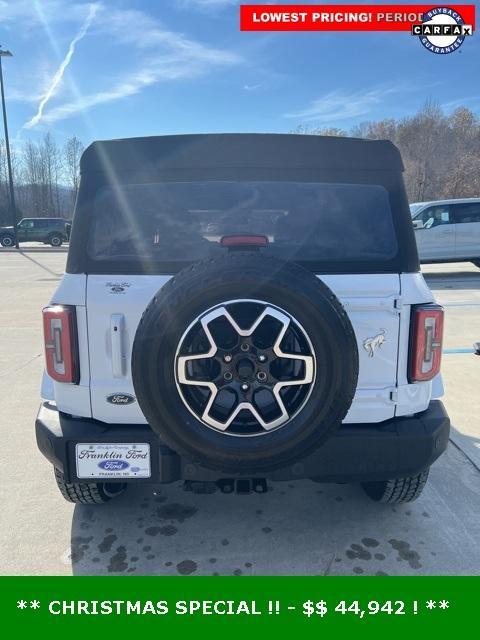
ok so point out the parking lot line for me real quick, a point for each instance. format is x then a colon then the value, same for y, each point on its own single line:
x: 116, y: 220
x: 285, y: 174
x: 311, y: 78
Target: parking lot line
x: 462, y: 350
x: 468, y: 305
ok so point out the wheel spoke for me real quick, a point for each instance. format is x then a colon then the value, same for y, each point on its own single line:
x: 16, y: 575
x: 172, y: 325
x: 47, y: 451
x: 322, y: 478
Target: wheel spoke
x: 184, y: 360
x: 206, y: 414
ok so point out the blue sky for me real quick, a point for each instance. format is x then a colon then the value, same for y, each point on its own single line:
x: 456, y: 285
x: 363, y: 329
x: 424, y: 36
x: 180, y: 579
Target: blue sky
x: 118, y: 68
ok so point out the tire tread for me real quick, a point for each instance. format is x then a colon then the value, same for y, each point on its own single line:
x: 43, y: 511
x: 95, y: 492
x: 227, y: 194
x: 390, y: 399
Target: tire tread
x: 397, y: 490
x: 80, y: 492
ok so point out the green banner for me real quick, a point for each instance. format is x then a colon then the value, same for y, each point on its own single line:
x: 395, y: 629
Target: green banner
x: 232, y: 606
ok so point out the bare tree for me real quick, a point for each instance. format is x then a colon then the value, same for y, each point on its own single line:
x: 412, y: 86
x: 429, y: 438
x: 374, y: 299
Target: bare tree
x: 441, y: 153
x: 50, y: 169
x: 319, y: 131
x: 41, y: 176
x: 72, y: 153
x: 462, y: 173
x: 31, y: 178
x: 4, y: 193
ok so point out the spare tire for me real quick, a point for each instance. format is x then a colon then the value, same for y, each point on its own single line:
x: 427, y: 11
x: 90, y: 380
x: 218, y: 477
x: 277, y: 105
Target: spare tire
x: 244, y: 363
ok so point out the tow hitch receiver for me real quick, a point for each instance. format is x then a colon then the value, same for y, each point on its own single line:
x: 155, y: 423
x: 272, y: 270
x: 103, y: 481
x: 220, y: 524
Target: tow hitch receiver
x: 228, y: 485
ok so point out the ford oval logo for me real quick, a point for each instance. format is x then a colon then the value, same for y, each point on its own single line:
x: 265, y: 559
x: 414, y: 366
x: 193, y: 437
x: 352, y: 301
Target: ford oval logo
x: 120, y: 398
x: 113, y: 465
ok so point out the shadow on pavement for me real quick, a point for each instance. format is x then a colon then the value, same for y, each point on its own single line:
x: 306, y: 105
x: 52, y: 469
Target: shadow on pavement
x: 457, y: 280
x: 39, y: 264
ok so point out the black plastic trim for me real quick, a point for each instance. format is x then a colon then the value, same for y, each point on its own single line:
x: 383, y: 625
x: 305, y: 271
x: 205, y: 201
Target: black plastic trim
x: 397, y: 448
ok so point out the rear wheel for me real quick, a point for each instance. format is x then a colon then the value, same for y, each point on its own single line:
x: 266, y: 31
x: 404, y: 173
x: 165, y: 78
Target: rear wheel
x: 397, y: 490
x: 88, y: 492
x: 55, y: 240
x: 7, y: 241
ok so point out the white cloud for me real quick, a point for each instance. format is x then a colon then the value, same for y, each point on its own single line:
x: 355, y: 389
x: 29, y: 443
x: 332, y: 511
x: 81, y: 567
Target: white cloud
x: 131, y: 85
x: 57, y: 78
x: 28, y: 80
x: 150, y: 53
x: 29, y: 14
x: 344, y: 105
x: 470, y: 102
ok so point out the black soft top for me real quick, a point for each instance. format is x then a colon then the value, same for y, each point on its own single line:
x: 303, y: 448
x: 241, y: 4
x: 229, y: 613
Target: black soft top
x: 232, y: 150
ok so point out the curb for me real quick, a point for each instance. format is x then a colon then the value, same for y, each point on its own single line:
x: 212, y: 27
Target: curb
x: 467, y: 445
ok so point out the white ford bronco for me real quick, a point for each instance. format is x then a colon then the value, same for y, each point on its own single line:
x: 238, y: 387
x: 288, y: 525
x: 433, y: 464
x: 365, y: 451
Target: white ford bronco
x: 239, y: 308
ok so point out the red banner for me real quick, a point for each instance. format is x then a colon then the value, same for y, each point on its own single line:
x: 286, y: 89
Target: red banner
x: 344, y: 17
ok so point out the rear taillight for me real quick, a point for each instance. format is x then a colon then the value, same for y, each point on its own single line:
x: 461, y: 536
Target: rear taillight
x: 426, y: 338
x: 61, y: 346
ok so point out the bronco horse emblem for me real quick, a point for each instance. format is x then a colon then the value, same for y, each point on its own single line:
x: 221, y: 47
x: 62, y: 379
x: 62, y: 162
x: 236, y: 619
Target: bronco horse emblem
x: 370, y: 344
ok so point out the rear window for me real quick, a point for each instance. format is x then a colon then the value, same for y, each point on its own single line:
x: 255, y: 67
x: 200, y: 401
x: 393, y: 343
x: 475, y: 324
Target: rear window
x: 172, y: 223
x: 467, y: 212
x: 416, y: 206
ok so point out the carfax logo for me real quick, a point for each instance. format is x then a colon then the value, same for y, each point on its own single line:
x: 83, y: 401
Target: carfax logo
x: 442, y: 31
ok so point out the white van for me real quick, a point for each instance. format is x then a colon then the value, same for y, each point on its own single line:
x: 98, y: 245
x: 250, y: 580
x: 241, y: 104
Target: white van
x: 447, y: 230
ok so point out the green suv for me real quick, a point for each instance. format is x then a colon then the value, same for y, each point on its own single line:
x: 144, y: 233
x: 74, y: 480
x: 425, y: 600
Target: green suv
x: 52, y: 231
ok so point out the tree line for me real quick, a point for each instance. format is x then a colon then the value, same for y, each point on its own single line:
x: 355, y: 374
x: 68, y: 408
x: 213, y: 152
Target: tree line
x: 46, y: 178
x: 441, y: 153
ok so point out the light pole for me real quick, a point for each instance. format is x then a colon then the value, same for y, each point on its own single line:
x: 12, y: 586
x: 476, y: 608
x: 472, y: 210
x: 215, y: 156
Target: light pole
x: 13, y: 210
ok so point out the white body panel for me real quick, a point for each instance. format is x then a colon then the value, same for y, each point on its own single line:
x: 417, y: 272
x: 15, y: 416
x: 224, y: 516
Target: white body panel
x: 467, y: 240
x: 103, y: 304
x: 437, y: 243
x: 109, y: 309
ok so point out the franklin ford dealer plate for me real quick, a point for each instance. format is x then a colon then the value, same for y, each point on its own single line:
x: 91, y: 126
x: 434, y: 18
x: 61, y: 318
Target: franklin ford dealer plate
x: 104, y: 460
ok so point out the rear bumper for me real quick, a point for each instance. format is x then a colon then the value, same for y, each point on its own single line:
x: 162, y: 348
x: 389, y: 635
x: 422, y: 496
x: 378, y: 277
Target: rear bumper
x: 356, y: 452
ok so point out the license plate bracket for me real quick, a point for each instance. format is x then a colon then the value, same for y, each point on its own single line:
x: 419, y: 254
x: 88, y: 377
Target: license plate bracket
x: 112, y: 460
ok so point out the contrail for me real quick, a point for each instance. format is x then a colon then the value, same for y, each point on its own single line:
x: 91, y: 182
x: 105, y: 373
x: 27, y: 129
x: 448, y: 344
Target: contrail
x: 57, y: 78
